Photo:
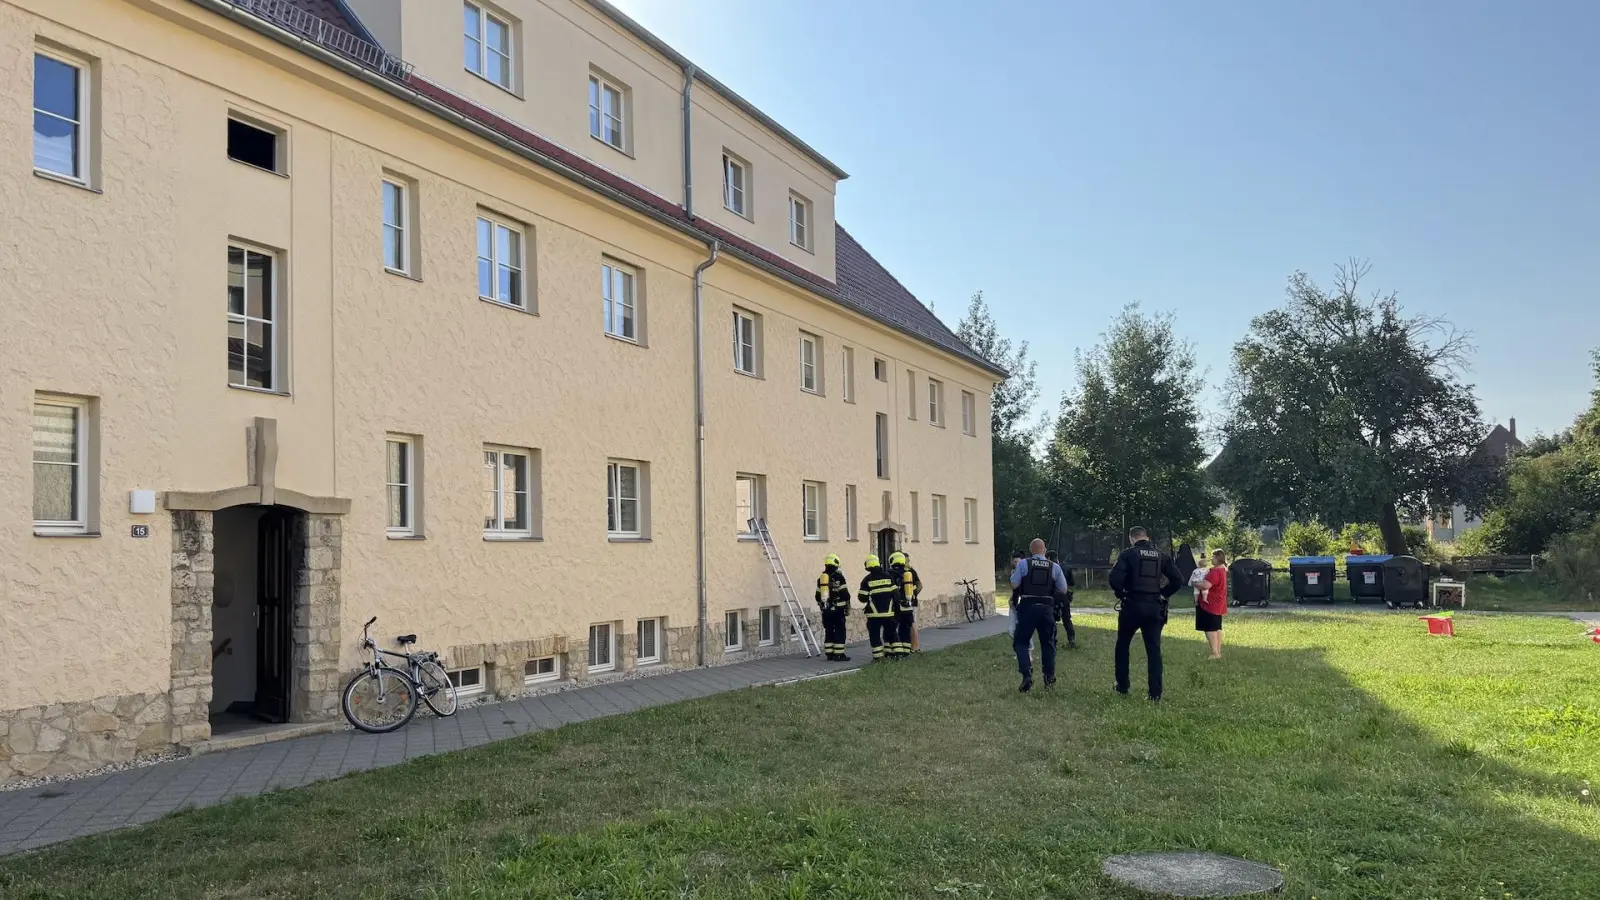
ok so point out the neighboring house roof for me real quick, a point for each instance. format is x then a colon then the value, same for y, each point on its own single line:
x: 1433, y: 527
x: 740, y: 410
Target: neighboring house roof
x: 1500, y: 442
x: 863, y: 284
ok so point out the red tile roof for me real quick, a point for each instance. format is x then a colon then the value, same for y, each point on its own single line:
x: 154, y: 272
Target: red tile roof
x: 863, y: 283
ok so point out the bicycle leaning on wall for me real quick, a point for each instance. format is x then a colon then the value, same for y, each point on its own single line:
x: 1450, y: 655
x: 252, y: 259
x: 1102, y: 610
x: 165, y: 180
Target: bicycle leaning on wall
x: 382, y: 697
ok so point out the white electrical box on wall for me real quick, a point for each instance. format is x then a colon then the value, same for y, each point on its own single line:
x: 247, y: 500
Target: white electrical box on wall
x: 141, y: 502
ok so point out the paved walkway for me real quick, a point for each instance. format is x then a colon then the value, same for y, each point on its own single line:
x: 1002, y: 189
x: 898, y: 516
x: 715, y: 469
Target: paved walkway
x: 57, y: 812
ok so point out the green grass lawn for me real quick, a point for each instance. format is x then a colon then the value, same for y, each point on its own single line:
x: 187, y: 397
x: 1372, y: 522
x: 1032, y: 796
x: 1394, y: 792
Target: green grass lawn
x: 1361, y: 756
x: 1513, y: 593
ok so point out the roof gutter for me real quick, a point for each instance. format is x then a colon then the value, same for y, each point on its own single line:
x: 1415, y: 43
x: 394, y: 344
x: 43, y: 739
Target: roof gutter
x: 410, y: 95
x: 750, y: 109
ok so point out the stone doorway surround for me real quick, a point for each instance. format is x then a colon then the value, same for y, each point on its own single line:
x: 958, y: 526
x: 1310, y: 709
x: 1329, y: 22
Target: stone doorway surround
x: 318, y: 537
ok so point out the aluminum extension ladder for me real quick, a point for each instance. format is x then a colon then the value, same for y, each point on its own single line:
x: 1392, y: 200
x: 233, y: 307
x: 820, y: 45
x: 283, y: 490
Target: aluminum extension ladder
x: 797, y: 613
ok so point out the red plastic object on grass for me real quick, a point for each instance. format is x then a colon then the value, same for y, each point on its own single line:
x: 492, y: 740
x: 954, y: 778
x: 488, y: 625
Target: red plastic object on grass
x: 1443, y: 625
x: 1595, y: 635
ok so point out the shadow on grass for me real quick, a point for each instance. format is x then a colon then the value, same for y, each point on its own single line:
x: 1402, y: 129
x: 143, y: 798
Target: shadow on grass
x: 934, y: 778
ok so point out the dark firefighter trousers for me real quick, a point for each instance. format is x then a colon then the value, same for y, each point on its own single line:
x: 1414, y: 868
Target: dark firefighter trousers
x: 833, y: 630
x: 881, y: 633
x: 1145, y: 615
x: 904, y: 621
x: 1035, y: 616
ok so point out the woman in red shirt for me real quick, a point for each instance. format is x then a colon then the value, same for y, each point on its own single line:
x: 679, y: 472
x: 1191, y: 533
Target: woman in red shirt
x: 1213, y: 603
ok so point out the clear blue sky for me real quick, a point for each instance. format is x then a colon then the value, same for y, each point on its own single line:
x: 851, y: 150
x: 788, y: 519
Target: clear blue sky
x: 1070, y: 157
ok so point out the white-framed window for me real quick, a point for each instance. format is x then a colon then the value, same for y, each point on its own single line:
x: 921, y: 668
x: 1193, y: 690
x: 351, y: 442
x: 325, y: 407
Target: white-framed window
x: 969, y: 413
x: 62, y: 482
x: 396, y: 227
x: 744, y: 343
x: 938, y: 518
x: 733, y: 629
x: 800, y: 221
x: 916, y: 517
x: 486, y: 45
x: 602, y: 647
x: 508, y: 482
x: 849, y: 373
x: 749, y: 498
x: 623, y: 490
x: 767, y: 626
x: 810, y: 360
x: 935, y: 402
x: 500, y: 263
x: 608, y: 112
x: 813, y: 510
x: 850, y: 532
x: 253, y: 306
x: 880, y: 369
x: 256, y: 144
x: 61, y: 115
x: 468, y: 682
x: 736, y: 184
x: 649, y: 635
x: 911, y: 395
x: 969, y: 517
x: 882, y: 435
x: 400, y: 476
x: 545, y: 668
x: 617, y: 294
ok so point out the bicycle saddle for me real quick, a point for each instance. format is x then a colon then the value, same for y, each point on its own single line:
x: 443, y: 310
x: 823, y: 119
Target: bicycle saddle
x: 406, y: 639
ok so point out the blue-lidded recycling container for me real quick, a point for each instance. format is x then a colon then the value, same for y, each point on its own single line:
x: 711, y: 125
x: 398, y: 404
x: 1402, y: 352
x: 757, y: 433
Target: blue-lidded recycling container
x: 1311, y: 577
x: 1365, y: 574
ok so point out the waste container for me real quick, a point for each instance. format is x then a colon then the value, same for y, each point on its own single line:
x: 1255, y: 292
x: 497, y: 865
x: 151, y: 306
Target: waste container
x: 1405, y: 583
x: 1312, y: 578
x: 1249, y: 581
x: 1365, y: 574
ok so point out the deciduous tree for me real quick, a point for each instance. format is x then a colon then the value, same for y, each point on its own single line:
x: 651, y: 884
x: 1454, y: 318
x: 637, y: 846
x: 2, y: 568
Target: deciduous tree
x: 1346, y: 408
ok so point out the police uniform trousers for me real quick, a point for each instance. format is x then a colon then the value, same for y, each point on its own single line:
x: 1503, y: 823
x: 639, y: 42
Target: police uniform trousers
x: 1142, y: 613
x: 904, y: 621
x: 833, y: 629
x: 1035, y: 616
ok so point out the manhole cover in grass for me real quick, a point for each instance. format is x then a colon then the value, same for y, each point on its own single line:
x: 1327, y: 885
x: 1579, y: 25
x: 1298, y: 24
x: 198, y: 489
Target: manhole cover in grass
x: 1188, y: 873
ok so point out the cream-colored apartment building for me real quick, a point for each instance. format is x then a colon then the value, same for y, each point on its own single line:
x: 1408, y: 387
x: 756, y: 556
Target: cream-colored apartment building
x: 494, y: 320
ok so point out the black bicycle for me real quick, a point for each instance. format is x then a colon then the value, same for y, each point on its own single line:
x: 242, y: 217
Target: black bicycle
x: 383, y: 697
x: 973, y: 601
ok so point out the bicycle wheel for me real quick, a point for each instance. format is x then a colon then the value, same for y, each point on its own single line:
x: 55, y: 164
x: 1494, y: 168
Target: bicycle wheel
x: 983, y: 609
x: 379, y: 701
x: 433, y: 683
x: 972, y: 608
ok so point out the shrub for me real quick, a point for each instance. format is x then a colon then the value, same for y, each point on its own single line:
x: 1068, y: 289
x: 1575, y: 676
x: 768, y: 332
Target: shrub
x: 1308, y: 539
x: 1360, y: 534
x: 1235, y: 538
x: 1418, y: 542
x: 1477, y: 542
x: 1572, y: 566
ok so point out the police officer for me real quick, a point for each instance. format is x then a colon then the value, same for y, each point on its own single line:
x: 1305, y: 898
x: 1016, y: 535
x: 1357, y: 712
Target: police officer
x: 1064, y: 602
x: 877, y: 593
x: 905, y: 602
x: 1038, y: 581
x: 1142, y: 604
x: 833, y: 598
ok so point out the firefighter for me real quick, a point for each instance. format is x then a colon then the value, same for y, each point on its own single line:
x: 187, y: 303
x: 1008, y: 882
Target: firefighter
x: 877, y: 596
x: 833, y: 598
x: 905, y: 601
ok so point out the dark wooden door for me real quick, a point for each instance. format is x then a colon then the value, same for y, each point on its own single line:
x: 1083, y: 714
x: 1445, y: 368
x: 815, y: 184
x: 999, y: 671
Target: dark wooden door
x: 888, y: 542
x: 277, y: 558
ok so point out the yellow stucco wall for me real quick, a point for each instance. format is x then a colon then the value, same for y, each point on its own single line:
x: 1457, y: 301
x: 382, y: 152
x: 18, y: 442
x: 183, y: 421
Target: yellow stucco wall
x: 118, y: 294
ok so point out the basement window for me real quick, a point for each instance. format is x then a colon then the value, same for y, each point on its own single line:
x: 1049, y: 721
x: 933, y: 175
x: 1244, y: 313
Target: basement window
x: 254, y: 145
x: 468, y: 682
